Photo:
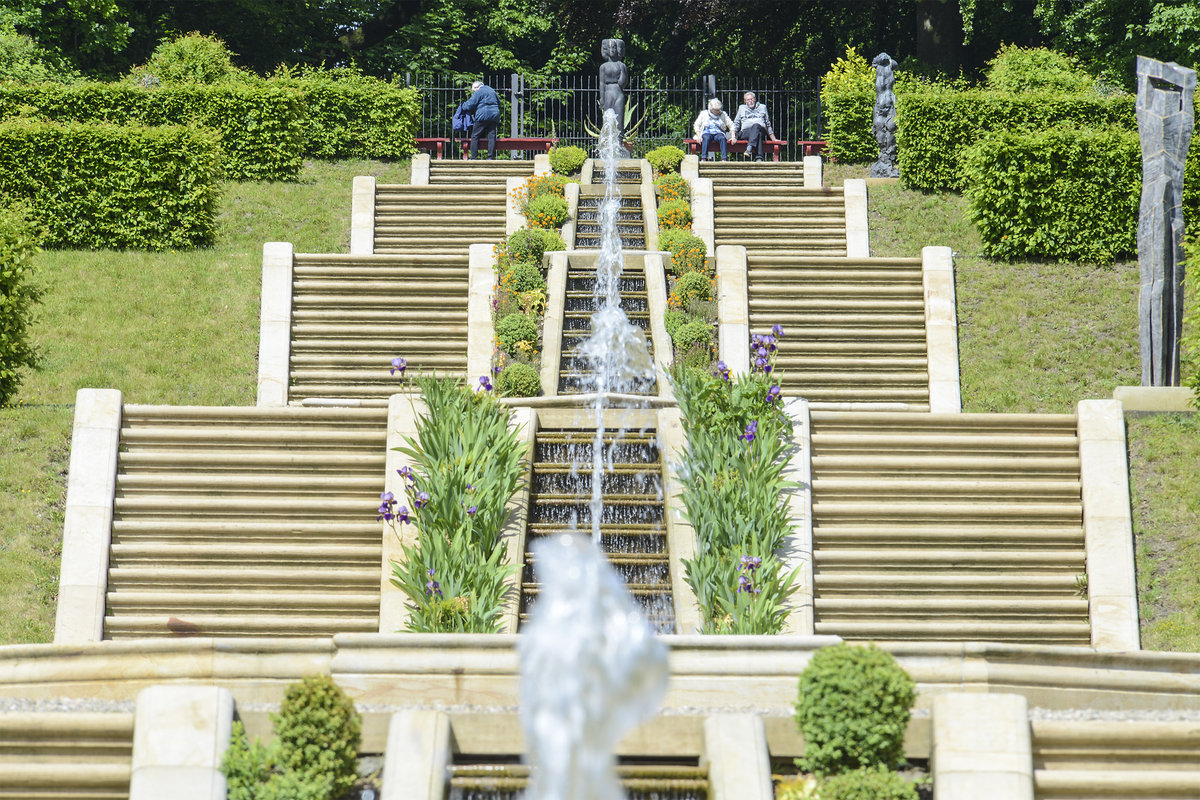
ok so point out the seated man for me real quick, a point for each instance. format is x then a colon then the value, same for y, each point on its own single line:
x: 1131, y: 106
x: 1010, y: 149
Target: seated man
x: 753, y: 123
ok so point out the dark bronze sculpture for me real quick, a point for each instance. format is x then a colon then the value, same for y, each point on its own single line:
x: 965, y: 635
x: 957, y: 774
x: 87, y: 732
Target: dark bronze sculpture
x: 884, y: 121
x: 614, y: 79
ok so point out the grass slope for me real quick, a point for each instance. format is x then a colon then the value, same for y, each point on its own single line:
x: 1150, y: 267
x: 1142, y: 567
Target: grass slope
x: 175, y: 327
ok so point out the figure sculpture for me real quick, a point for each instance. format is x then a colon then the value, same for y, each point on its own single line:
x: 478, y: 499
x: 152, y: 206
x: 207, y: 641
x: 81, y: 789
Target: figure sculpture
x: 614, y: 80
x: 1165, y: 120
x: 884, y: 122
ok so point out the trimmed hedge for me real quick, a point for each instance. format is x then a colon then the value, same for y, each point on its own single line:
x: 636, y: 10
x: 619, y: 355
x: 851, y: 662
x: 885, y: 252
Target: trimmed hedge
x: 1062, y: 193
x: 355, y: 116
x: 849, y: 117
x: 260, y: 125
x: 113, y: 186
x: 18, y: 296
x: 936, y: 124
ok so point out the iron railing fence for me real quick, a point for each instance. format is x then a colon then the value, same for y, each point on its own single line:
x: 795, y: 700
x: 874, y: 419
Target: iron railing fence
x: 661, y: 109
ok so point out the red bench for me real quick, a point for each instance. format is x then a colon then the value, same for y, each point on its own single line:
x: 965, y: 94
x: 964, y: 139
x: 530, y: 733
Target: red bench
x: 772, y: 146
x: 812, y: 147
x: 512, y: 143
x: 434, y: 145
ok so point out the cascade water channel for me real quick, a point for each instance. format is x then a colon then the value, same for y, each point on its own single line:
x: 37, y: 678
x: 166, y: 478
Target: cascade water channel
x: 604, y: 479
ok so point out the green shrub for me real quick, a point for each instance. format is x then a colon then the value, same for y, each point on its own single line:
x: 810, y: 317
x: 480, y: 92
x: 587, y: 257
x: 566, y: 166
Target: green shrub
x: 673, y: 186
x: 868, y: 783
x: 674, y: 318
x: 567, y: 160
x: 545, y: 184
x: 688, y: 252
x: 1057, y: 194
x: 690, y: 287
x: 547, y: 211
x: 260, y: 125
x: 113, y: 186
x: 936, y: 124
x: 523, y: 276
x: 22, y: 61
x: 1191, y: 320
x: 519, y: 379
x: 319, y: 732
x: 247, y: 765
x: 847, y: 107
x: 516, y: 328
x: 694, y: 333
x: 350, y: 115
x: 190, y: 59
x: 853, y: 709
x: 674, y: 214
x: 18, y: 295
x: 1032, y: 69
x: 665, y: 159
x: 530, y: 244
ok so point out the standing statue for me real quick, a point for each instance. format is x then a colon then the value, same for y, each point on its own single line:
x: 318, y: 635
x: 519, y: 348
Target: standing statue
x: 884, y: 121
x: 614, y: 80
x: 1165, y: 119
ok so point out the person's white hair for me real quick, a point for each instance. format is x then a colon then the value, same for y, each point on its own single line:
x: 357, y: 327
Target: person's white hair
x: 475, y: 86
x: 714, y: 105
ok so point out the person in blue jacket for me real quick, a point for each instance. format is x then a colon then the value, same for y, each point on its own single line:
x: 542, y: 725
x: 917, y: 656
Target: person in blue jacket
x: 484, y: 105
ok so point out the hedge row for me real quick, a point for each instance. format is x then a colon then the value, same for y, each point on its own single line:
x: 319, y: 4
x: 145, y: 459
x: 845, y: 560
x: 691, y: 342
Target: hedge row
x: 849, y: 121
x: 18, y: 295
x: 358, y: 118
x: 259, y: 125
x: 935, y: 125
x: 102, y: 185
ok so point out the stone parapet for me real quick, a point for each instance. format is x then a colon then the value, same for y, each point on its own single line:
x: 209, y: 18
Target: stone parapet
x: 480, y: 332
x: 703, y: 220
x: 798, y: 552
x: 275, y: 325
x: 362, y: 211
x: 180, y: 735
x: 733, y: 310
x: 681, y: 537
x: 941, y: 329
x: 981, y: 747
x: 857, y: 236
x: 739, y: 762
x: 813, y: 172
x: 417, y: 756
x: 419, y: 170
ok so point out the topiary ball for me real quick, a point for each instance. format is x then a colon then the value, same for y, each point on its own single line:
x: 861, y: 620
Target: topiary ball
x: 567, y: 160
x: 519, y: 379
x: 516, y: 328
x: 674, y: 214
x: 524, y: 276
x: 868, y: 783
x: 693, y: 333
x: 691, y: 287
x: 673, y: 186
x: 547, y: 211
x: 853, y: 709
x: 319, y: 732
x: 665, y: 158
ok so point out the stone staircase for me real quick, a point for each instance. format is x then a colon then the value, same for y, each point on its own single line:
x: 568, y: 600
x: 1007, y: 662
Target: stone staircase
x: 630, y: 219
x: 854, y: 329
x: 438, y: 219
x: 351, y: 315
x: 477, y: 173
x: 1082, y: 759
x: 766, y: 208
x: 246, y: 522
x: 948, y: 527
x: 69, y: 755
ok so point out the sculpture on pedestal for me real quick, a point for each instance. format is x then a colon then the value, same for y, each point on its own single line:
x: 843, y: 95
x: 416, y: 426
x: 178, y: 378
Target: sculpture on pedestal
x: 884, y: 121
x: 614, y: 80
x: 1165, y: 120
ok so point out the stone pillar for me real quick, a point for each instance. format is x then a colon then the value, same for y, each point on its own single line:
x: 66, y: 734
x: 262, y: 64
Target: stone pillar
x: 733, y: 309
x: 739, y: 763
x: 656, y: 296
x: 1107, y: 525
x: 362, y: 212
x: 702, y: 213
x: 571, y: 194
x: 1165, y: 120
x: 689, y: 168
x: 482, y: 277
x: 514, y: 220
x: 87, y: 523
x: 649, y: 201
x: 275, y: 325
x: 982, y: 747
x: 180, y: 734
x: 556, y: 290
x: 813, y: 175
x: 798, y: 549
x: 541, y: 164
x: 419, y: 748
x: 941, y: 329
x: 524, y: 420
x: 681, y: 537
x: 419, y: 170
x: 857, y: 239
x: 403, y: 410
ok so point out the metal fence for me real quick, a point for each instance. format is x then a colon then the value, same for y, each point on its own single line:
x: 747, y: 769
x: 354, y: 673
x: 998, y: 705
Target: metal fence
x: 661, y: 109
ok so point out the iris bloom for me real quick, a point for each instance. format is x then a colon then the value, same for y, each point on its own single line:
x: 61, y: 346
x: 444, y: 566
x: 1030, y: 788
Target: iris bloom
x: 399, y: 365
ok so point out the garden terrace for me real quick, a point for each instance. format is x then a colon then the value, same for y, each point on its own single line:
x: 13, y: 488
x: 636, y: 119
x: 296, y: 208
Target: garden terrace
x: 65, y: 754
x: 246, y: 522
x: 437, y: 219
x: 855, y: 328
x: 351, y: 315
x: 948, y: 527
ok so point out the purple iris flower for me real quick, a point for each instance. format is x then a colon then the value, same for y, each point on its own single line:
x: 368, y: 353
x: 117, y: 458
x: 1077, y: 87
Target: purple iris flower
x: 485, y: 384
x: 773, y: 394
x: 432, y: 587
x: 421, y: 501
x: 777, y: 330
x: 751, y: 431
x: 387, y: 500
x: 750, y: 563
x: 407, y: 474
x: 722, y: 370
x: 399, y: 365
x: 471, y: 511
x: 402, y: 514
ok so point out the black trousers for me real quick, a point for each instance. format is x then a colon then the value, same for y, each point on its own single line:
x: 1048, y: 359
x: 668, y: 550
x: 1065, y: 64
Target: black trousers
x: 479, y: 129
x: 754, y: 135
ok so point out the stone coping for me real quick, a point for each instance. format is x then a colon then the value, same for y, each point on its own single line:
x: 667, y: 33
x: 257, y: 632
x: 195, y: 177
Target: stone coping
x: 707, y: 672
x: 1155, y: 399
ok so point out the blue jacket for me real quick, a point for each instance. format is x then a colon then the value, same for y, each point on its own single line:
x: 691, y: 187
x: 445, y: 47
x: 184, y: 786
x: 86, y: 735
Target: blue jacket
x: 462, y: 120
x: 484, y: 103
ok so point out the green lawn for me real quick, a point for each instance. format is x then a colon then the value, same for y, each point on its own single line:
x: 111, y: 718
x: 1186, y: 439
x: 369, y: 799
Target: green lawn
x: 175, y: 327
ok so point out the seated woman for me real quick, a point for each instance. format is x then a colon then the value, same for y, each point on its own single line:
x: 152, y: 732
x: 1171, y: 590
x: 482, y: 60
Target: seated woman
x: 714, y: 125
x: 753, y: 123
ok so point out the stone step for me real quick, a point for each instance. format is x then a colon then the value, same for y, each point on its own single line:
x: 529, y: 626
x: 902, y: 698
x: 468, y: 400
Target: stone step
x: 65, y: 754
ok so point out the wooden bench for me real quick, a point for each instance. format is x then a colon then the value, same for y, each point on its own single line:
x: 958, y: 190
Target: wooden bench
x: 812, y: 147
x: 772, y: 146
x: 511, y: 143
x: 434, y: 145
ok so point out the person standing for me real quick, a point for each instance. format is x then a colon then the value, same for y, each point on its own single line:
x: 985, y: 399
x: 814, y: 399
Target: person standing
x: 484, y: 106
x: 714, y: 125
x: 753, y: 123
